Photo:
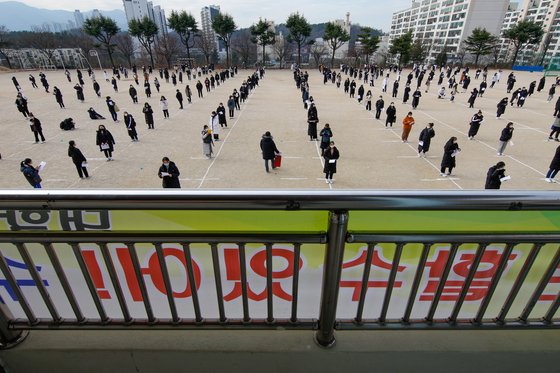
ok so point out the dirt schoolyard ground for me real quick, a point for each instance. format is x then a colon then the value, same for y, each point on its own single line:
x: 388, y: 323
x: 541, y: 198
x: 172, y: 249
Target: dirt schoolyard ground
x: 371, y: 157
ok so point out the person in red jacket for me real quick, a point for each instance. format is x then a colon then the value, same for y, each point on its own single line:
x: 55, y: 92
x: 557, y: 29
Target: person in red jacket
x: 408, y: 122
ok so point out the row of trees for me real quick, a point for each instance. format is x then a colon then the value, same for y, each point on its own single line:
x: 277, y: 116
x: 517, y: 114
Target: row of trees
x: 103, y: 32
x: 479, y: 43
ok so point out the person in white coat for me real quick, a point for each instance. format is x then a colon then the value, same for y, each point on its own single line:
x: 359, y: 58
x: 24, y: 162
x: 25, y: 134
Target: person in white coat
x: 215, y: 125
x: 164, y: 106
x: 385, y: 83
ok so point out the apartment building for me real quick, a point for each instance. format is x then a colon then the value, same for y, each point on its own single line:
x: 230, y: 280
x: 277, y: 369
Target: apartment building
x: 442, y: 23
x: 138, y: 9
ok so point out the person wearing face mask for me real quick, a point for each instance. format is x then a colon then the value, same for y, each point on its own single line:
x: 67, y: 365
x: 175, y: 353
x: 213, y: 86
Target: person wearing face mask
x: 379, y: 105
x: 326, y: 134
x: 31, y: 173
x: 130, y: 126
x: 207, y: 142
x: 408, y: 122
x: 476, y: 120
x: 148, y: 115
x: 105, y: 142
x: 391, y: 115
x: 495, y: 173
x: 169, y: 174
x: 425, y: 139
x: 331, y: 156
x: 450, y: 150
x: 312, y: 120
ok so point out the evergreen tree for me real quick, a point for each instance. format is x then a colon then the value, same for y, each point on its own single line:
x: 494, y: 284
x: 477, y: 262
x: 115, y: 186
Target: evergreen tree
x: 300, y: 30
x: 103, y: 29
x: 262, y: 35
x: 335, y: 36
x: 401, y: 47
x: 224, y: 26
x: 480, y: 43
x: 184, y: 24
x: 523, y: 34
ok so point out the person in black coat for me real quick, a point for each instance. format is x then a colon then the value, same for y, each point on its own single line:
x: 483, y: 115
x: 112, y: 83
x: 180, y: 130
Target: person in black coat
x: 96, y: 88
x: 67, y: 124
x: 360, y: 93
x: 379, y: 105
x: 541, y: 84
x: 36, y: 128
x: 471, y: 100
x: 501, y: 107
x: 133, y: 94
x: 476, y: 120
x: 326, y: 134
x: 416, y: 98
x: 425, y: 139
x: 482, y: 89
x: 554, y: 166
x: 532, y: 88
x: 450, y: 149
x: 495, y: 173
x: 395, y: 88
x: 148, y: 115
x: 221, y: 111
x: 94, y: 114
x: 331, y: 156
x: 105, y: 141
x: 312, y: 120
x: 179, y: 97
x: 130, y: 124
x: 199, y: 89
x: 31, y: 173
x: 507, y: 134
x: 406, y: 94
x: 78, y: 158
x: 21, y: 104
x: 557, y: 108
x: 391, y: 115
x: 58, y: 96
x: 79, y: 92
x: 269, y: 150
x: 169, y: 174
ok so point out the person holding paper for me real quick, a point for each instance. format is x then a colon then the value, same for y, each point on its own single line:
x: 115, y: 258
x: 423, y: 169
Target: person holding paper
x: 31, y: 173
x: 501, y: 107
x: 555, y: 128
x: 494, y: 176
x: 391, y: 115
x: 507, y: 134
x: 148, y: 115
x: 78, y: 158
x: 169, y: 174
x: 105, y: 142
x: 312, y: 120
x: 326, y: 134
x: 450, y: 150
x: 133, y: 94
x: 425, y: 139
x: 408, y: 122
x: 36, y: 128
x: 207, y: 141
x: 130, y: 126
x: 331, y: 156
x: 476, y: 120
x: 379, y: 105
x: 269, y: 150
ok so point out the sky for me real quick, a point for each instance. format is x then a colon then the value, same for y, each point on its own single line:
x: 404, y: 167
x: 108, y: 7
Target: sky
x: 372, y: 13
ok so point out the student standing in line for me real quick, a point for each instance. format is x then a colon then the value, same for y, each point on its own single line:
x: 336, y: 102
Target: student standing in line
x: 199, y: 89
x: 78, y: 158
x: 114, y: 84
x: 391, y: 115
x: 556, y: 107
x: 554, y: 166
x: 507, y: 134
x: 96, y: 88
x: 113, y: 108
x: 79, y: 92
x: 476, y: 120
x: 207, y: 142
x: 179, y: 97
x: 231, y: 106
x: 130, y: 126
x: 105, y: 141
x: 406, y: 94
x: 169, y: 174
x: 269, y: 150
x: 326, y: 134
x: 424, y: 140
x: 58, y: 96
x: 312, y: 120
x: 493, y: 176
x: 32, y: 80
x: 32, y: 173
x: 21, y: 104
x: 36, y: 128
x: 215, y: 125
x: 551, y: 93
x: 416, y: 98
x: 368, y: 100
x: 148, y: 115
x: 133, y: 94
x: 408, y: 122
x: 331, y: 156
x: 188, y: 93
x: 379, y: 105
x: 164, y: 106
x: 474, y: 95
x: 555, y: 128
x: 450, y: 149
x: 221, y: 111
x: 501, y: 107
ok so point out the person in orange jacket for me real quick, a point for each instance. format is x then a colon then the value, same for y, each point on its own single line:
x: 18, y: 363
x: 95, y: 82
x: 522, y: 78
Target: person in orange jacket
x: 408, y: 122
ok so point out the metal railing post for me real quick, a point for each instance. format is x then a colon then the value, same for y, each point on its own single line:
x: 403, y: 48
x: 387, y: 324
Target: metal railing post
x: 332, y: 271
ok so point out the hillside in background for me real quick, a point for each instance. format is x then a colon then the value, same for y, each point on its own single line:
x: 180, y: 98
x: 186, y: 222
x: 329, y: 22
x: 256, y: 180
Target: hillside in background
x: 18, y: 16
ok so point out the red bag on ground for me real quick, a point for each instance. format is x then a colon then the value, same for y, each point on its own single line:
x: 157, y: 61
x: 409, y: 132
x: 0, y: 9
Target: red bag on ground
x: 278, y: 160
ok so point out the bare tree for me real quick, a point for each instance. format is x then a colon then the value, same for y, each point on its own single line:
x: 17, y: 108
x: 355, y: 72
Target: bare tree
x: 125, y: 45
x: 166, y: 47
x: 6, y: 43
x: 243, y: 45
x: 83, y: 41
x: 356, y: 53
x: 318, y: 52
x: 283, y: 49
x: 207, y: 46
x: 44, y: 41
